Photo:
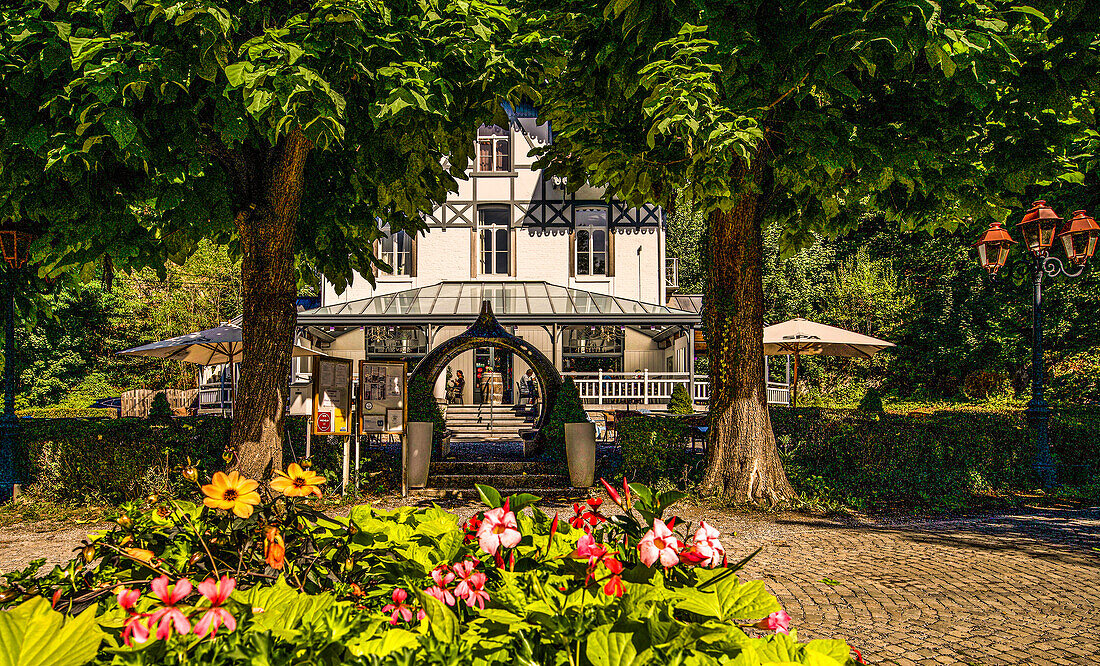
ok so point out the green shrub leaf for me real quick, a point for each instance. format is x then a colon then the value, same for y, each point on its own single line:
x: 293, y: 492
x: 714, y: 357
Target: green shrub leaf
x: 34, y: 634
x: 728, y: 599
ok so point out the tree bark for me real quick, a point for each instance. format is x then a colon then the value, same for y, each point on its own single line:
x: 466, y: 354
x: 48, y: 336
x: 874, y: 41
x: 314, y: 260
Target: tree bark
x: 268, y: 291
x: 743, y: 463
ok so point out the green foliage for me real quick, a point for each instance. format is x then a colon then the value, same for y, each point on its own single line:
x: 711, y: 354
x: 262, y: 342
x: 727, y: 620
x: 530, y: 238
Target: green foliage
x: 160, y: 409
x: 116, y: 460
x: 66, y: 413
x: 888, y: 461
x: 331, y: 596
x: 34, y: 634
x: 680, y: 402
x: 567, y: 408
x: 871, y: 402
x: 653, y: 447
x: 424, y: 407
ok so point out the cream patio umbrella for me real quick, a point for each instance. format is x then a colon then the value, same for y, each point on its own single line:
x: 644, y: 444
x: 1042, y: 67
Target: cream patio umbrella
x: 214, y: 346
x: 802, y: 336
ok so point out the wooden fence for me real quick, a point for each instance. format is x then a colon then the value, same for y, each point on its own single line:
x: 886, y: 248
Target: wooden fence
x: 136, y: 402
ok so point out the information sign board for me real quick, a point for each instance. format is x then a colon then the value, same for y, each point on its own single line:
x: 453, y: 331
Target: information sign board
x: 382, y: 396
x: 332, y: 396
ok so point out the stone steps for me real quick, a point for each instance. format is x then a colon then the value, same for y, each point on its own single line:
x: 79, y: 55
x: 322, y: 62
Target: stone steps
x: 457, y: 478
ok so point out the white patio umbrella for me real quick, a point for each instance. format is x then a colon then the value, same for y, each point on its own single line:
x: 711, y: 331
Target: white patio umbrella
x: 802, y: 336
x: 214, y: 346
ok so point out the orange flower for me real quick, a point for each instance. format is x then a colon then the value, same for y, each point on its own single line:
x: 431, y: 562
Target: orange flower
x: 297, y: 482
x: 274, y: 548
x: 139, y: 554
x: 232, y: 493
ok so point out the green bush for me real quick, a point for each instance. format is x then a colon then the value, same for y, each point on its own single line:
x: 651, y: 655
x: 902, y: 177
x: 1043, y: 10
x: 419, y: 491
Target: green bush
x: 567, y: 409
x: 680, y: 402
x: 115, y: 460
x: 871, y: 401
x: 507, y: 585
x: 933, y: 461
x: 423, y: 407
x: 653, y: 447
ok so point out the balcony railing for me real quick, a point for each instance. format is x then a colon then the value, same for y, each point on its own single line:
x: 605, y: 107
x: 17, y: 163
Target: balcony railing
x: 672, y: 273
x: 651, y: 388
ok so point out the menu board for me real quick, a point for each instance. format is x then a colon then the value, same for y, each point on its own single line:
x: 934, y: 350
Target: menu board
x: 332, y: 396
x: 382, y: 396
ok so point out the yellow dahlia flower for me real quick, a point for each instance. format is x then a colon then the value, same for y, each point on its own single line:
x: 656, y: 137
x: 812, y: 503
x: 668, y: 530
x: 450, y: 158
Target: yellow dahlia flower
x: 232, y: 492
x: 297, y: 482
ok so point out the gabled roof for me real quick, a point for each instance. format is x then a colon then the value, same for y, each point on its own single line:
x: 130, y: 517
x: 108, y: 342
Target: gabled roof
x: 514, y: 302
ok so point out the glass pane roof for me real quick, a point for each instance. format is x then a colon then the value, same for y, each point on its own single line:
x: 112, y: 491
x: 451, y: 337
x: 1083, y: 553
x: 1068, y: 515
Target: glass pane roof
x: 462, y: 301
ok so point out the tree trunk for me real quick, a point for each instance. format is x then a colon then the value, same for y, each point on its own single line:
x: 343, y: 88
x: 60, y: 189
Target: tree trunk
x: 743, y: 462
x: 268, y: 291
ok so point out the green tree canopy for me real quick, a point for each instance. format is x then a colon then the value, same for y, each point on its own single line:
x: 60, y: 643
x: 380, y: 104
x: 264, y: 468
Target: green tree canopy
x: 933, y: 113
x: 136, y: 128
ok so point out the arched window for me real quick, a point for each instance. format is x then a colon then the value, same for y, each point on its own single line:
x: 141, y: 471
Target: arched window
x: 494, y: 149
x: 494, y: 238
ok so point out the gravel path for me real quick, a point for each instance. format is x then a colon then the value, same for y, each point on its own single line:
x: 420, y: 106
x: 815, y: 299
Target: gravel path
x: 1019, y: 588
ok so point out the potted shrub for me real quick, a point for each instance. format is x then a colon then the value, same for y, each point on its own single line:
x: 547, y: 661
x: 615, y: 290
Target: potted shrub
x: 680, y: 402
x: 571, y: 432
x: 425, y: 428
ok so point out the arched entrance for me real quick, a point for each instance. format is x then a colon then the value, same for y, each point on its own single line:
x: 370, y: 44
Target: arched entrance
x: 487, y: 332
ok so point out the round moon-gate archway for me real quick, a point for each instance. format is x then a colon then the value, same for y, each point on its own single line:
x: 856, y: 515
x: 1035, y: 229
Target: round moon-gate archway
x: 487, y: 332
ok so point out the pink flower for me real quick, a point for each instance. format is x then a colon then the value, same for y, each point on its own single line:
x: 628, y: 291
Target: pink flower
x: 127, y: 598
x: 135, y: 628
x: 588, y: 549
x: 170, y: 596
x: 169, y: 617
x: 705, y: 549
x: 216, y: 592
x: 472, y: 590
x: 444, y: 595
x: 441, y: 576
x: 497, y: 529
x: 398, y: 607
x: 777, y: 621
x: 659, y: 544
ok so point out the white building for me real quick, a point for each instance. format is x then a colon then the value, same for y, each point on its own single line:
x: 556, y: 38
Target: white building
x: 586, y: 280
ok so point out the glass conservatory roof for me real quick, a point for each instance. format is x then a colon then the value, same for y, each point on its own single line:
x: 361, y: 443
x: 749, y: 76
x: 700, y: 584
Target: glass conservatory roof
x: 513, y: 302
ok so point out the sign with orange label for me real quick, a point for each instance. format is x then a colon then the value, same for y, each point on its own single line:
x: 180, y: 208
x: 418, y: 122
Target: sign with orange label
x: 332, y: 396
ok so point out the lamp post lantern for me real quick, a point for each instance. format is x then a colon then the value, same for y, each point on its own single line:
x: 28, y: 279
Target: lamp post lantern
x: 15, y: 244
x: 1039, y: 228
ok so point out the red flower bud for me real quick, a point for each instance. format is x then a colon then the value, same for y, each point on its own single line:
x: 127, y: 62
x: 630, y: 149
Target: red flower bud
x: 611, y: 492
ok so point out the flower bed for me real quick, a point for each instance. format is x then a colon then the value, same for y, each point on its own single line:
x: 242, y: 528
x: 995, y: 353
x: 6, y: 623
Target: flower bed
x: 257, y: 575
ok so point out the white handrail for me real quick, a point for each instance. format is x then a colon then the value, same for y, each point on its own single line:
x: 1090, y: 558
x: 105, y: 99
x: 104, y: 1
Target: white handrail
x: 649, y: 388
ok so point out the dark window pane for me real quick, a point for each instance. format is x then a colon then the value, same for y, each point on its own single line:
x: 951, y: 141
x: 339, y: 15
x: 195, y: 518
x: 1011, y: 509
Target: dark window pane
x: 582, y: 241
x: 502, y: 251
x: 485, y: 156
x: 599, y: 263
x: 504, y: 162
x: 598, y: 237
x: 494, y: 215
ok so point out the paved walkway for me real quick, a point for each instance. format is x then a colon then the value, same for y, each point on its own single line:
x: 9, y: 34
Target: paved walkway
x: 1006, y: 589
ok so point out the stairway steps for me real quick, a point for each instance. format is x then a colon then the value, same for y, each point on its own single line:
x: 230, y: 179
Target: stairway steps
x: 501, y: 482
x: 562, y: 493
x: 487, y: 468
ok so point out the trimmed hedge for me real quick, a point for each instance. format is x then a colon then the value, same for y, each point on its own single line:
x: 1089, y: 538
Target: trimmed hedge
x: 653, y: 447
x: 936, y: 460
x: 67, y: 413
x: 114, y: 460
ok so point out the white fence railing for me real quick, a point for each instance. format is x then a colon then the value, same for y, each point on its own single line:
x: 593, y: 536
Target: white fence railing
x: 650, y: 388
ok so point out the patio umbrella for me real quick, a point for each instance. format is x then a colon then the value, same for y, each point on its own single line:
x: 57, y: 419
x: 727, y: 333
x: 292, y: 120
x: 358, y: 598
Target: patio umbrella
x: 214, y: 346
x: 802, y: 336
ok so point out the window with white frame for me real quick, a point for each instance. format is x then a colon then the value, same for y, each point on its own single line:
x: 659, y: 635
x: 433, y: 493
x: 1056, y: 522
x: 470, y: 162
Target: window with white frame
x: 494, y: 240
x: 397, y: 251
x: 590, y: 244
x: 494, y: 149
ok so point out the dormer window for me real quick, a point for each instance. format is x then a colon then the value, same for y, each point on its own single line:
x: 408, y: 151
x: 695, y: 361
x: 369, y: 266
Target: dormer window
x: 494, y: 149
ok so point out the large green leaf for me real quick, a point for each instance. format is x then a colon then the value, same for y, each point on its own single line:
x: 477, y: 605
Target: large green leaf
x: 390, y: 640
x: 442, y: 622
x: 282, y: 610
x: 617, y: 648
x: 34, y: 634
x: 729, y: 599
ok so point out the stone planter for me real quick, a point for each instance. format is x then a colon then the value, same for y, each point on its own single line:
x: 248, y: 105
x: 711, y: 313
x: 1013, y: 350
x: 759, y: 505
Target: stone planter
x: 418, y: 449
x: 580, y: 451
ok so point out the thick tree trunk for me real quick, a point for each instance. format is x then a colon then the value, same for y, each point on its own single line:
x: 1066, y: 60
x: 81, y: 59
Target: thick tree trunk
x: 268, y: 291
x: 743, y: 462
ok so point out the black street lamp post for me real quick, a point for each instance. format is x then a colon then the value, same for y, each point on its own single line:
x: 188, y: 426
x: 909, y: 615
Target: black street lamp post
x: 15, y: 244
x: 1078, y: 238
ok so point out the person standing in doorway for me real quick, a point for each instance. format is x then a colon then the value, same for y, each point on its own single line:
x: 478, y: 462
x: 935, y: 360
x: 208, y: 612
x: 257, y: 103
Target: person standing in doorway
x: 458, y: 386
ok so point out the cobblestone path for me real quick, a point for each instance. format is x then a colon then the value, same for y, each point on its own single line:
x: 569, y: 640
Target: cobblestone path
x: 1022, y: 588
